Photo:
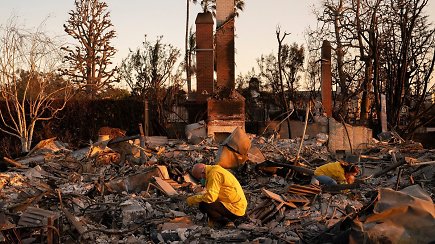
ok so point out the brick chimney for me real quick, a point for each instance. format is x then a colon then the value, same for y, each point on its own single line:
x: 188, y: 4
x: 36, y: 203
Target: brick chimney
x: 326, y: 78
x: 225, y: 44
x: 204, y: 53
x: 225, y: 112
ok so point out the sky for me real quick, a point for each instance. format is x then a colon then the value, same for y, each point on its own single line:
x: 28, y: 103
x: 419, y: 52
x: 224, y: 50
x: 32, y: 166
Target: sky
x: 132, y: 19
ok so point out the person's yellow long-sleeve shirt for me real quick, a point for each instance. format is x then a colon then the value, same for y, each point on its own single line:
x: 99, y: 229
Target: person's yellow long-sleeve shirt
x: 222, y: 186
x: 333, y: 170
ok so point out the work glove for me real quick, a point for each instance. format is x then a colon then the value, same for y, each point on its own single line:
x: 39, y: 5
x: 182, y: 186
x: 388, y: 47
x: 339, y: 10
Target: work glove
x: 193, y: 200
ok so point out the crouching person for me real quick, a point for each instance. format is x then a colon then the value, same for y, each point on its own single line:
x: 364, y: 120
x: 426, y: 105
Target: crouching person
x: 223, y: 199
x: 336, y: 173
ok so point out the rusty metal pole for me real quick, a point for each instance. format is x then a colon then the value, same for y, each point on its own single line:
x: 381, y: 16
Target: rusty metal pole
x: 142, y: 144
x: 384, y: 123
x: 146, y: 119
x: 50, y: 226
x: 398, y: 178
x: 326, y: 78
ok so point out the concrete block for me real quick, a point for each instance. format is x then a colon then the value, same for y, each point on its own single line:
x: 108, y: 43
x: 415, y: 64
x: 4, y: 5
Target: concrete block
x: 196, y: 132
x: 348, y: 137
x: 132, y: 211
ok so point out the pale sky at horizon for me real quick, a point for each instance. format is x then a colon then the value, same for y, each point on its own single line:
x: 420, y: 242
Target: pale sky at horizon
x: 132, y: 19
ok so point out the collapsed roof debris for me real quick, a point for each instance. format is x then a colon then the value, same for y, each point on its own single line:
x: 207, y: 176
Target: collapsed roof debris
x: 103, y: 193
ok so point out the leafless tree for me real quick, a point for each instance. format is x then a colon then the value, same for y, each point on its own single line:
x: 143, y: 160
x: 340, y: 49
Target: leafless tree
x: 151, y: 73
x: 90, y: 60
x: 268, y: 71
x: 336, y: 25
x: 30, y: 87
x: 312, y: 77
x: 408, y: 57
x: 280, y: 72
x: 284, y: 98
x: 366, y: 21
x: 381, y: 47
x: 292, y: 58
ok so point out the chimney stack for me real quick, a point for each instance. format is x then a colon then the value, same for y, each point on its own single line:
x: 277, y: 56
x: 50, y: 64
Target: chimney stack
x: 225, y: 58
x: 326, y: 78
x: 204, y: 54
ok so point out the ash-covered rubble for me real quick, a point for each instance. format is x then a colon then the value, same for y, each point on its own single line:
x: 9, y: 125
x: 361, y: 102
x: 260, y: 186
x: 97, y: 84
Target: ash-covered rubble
x: 104, y: 194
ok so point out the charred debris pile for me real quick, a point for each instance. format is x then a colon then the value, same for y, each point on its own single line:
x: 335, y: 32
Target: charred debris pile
x: 119, y: 190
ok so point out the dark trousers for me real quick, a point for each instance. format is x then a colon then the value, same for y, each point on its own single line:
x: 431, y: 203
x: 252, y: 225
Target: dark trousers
x: 217, y: 212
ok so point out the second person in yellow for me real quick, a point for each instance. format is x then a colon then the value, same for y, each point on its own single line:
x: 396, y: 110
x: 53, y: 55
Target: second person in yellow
x: 336, y: 173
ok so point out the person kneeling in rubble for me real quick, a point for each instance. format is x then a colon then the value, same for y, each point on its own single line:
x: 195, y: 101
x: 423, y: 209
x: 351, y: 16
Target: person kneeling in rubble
x: 336, y: 173
x: 223, y: 200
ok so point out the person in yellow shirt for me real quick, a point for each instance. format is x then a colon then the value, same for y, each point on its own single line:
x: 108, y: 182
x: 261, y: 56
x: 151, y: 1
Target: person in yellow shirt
x: 223, y: 199
x: 336, y: 173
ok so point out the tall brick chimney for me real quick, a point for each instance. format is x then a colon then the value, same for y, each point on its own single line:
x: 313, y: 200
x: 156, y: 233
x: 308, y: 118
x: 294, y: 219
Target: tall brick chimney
x: 226, y: 111
x: 204, y: 54
x: 326, y: 86
x: 225, y: 44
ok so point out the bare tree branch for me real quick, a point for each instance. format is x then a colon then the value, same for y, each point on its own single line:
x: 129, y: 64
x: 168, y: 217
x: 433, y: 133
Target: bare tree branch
x: 29, y: 84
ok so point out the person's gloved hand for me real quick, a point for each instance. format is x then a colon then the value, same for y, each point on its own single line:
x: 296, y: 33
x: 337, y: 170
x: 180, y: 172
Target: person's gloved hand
x: 193, y: 200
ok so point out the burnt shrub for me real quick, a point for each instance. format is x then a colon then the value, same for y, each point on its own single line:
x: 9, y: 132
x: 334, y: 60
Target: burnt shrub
x: 79, y: 122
